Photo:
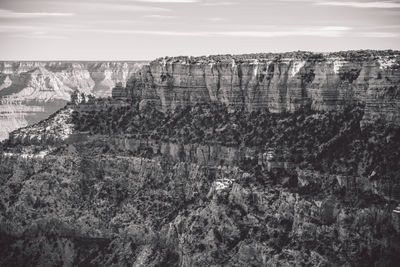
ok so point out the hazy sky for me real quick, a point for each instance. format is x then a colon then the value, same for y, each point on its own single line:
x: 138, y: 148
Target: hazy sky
x: 146, y: 29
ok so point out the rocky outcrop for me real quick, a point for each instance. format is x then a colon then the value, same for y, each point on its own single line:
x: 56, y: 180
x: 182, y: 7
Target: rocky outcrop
x: 118, y: 91
x: 209, y: 155
x: 31, y: 91
x: 14, y: 115
x: 56, y: 80
x: 56, y: 128
x: 279, y: 82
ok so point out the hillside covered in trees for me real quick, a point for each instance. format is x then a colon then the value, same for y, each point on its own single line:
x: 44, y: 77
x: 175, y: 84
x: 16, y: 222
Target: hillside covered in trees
x: 90, y: 202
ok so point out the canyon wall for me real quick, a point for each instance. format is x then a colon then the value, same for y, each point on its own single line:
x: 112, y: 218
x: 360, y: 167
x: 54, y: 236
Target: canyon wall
x: 279, y: 82
x: 109, y: 182
x: 86, y: 204
x: 31, y: 91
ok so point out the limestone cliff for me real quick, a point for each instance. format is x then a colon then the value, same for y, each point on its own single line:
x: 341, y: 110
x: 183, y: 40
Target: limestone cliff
x: 279, y: 82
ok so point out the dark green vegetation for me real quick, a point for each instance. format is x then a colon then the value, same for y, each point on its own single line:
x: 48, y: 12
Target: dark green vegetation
x: 350, y: 54
x: 328, y: 141
x: 91, y: 204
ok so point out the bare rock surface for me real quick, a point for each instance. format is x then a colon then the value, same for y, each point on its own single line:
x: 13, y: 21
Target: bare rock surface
x: 279, y: 82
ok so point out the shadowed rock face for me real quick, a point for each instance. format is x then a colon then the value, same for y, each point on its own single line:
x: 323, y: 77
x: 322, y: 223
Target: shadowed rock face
x: 279, y: 82
x: 31, y: 91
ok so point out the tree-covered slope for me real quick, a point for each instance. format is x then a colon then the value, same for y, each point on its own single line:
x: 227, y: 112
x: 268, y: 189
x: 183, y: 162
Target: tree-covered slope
x: 92, y: 202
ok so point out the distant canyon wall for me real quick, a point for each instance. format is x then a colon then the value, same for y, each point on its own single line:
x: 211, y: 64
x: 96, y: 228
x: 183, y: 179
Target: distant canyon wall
x: 31, y: 91
x: 279, y: 82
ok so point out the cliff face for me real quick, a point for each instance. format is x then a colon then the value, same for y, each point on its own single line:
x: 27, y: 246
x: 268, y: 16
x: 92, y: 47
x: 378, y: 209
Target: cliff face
x: 279, y: 82
x: 55, y: 80
x: 31, y: 91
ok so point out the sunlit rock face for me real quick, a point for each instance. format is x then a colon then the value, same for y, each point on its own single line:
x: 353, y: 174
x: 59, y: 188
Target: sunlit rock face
x: 31, y: 91
x: 279, y: 82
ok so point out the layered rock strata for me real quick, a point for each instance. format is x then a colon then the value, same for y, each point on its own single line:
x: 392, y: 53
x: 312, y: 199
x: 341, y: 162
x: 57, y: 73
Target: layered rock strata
x: 279, y: 82
x: 57, y: 79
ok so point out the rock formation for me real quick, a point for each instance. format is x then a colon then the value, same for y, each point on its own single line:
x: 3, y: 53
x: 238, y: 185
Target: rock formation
x: 279, y: 82
x: 31, y: 91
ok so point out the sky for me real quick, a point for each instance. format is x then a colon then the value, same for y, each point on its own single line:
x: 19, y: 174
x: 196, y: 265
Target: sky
x: 148, y: 29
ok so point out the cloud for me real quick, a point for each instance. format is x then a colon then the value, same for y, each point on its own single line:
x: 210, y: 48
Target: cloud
x: 29, y: 32
x: 127, y: 7
x: 149, y: 32
x: 19, y: 28
x: 96, y: 7
x: 219, y: 4
x: 395, y: 26
x: 330, y: 31
x: 4, y: 13
x: 159, y: 17
x: 41, y: 36
x: 380, y: 4
x: 168, y: 1
x: 379, y: 35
